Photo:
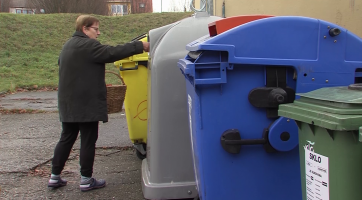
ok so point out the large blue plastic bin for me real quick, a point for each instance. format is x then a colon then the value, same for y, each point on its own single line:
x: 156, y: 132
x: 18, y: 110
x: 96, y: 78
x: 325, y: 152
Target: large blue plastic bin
x: 235, y: 82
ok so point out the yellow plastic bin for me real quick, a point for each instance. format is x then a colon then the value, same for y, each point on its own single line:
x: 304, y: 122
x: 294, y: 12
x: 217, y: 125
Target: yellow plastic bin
x: 134, y: 73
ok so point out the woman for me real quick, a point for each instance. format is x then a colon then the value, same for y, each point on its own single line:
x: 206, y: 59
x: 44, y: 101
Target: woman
x: 82, y: 94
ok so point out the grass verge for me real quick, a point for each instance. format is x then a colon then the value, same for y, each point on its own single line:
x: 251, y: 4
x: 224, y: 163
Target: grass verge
x: 30, y: 44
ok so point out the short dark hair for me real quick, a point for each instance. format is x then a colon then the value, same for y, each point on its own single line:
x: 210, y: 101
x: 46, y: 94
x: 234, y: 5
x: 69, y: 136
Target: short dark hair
x: 85, y: 20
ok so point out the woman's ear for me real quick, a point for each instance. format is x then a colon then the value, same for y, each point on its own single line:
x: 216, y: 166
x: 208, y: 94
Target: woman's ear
x: 85, y: 30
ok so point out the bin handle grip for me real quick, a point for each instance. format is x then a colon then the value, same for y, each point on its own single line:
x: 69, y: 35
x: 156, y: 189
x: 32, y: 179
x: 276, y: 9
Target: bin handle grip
x: 186, y: 67
x: 125, y: 69
x: 231, y: 141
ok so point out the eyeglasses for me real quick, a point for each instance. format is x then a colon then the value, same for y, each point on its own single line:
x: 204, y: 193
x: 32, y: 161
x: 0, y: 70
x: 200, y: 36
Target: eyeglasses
x: 95, y: 28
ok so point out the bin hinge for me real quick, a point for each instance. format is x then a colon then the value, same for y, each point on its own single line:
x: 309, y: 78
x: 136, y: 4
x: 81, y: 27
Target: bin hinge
x: 311, y: 126
x: 331, y: 133
x: 270, y: 98
x: 232, y: 142
x: 275, y: 93
x: 299, y: 124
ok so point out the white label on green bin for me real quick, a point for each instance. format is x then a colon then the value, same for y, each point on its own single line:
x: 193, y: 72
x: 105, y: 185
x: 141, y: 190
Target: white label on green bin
x: 316, y: 175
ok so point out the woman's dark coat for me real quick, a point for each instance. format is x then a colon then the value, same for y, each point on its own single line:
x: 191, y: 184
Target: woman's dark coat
x: 82, y: 89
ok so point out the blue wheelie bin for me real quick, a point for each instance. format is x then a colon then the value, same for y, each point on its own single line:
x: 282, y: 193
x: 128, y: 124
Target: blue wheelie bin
x: 236, y: 80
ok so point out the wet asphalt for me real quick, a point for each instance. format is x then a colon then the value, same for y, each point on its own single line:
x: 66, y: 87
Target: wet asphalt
x: 27, y: 142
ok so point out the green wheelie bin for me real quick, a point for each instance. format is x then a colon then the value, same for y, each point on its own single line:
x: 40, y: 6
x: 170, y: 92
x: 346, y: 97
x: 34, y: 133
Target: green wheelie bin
x: 330, y: 136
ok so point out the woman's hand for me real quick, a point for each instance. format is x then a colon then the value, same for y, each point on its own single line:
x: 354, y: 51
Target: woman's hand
x: 146, y: 46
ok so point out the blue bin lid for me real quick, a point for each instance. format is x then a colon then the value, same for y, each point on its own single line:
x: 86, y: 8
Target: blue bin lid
x: 306, y: 44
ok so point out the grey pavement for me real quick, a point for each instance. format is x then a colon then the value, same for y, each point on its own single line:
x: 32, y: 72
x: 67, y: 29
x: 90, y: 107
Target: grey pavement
x: 46, y: 101
x: 39, y: 133
x: 27, y: 143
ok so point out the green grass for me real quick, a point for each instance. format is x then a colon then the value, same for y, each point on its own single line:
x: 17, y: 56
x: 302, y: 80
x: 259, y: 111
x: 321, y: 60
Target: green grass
x: 30, y: 44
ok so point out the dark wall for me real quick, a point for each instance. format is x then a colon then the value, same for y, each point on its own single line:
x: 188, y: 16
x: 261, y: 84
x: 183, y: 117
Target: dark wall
x: 4, y: 5
x: 137, y: 6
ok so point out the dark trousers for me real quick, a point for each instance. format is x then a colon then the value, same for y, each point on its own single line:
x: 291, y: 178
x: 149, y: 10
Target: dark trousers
x: 88, y: 135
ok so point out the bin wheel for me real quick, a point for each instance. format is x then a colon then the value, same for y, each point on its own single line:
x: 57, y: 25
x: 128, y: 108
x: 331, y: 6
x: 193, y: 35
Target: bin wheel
x: 356, y: 86
x: 140, y: 155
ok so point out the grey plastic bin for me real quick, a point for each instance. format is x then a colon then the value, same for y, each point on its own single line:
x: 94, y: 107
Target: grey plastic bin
x: 168, y: 171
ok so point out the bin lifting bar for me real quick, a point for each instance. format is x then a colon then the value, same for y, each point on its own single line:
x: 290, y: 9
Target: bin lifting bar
x: 232, y: 142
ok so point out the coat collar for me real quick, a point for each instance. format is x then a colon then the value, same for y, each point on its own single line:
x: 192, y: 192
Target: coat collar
x: 80, y: 34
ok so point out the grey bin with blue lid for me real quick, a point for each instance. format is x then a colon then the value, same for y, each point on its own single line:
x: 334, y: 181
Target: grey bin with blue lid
x: 235, y: 82
x: 167, y: 172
